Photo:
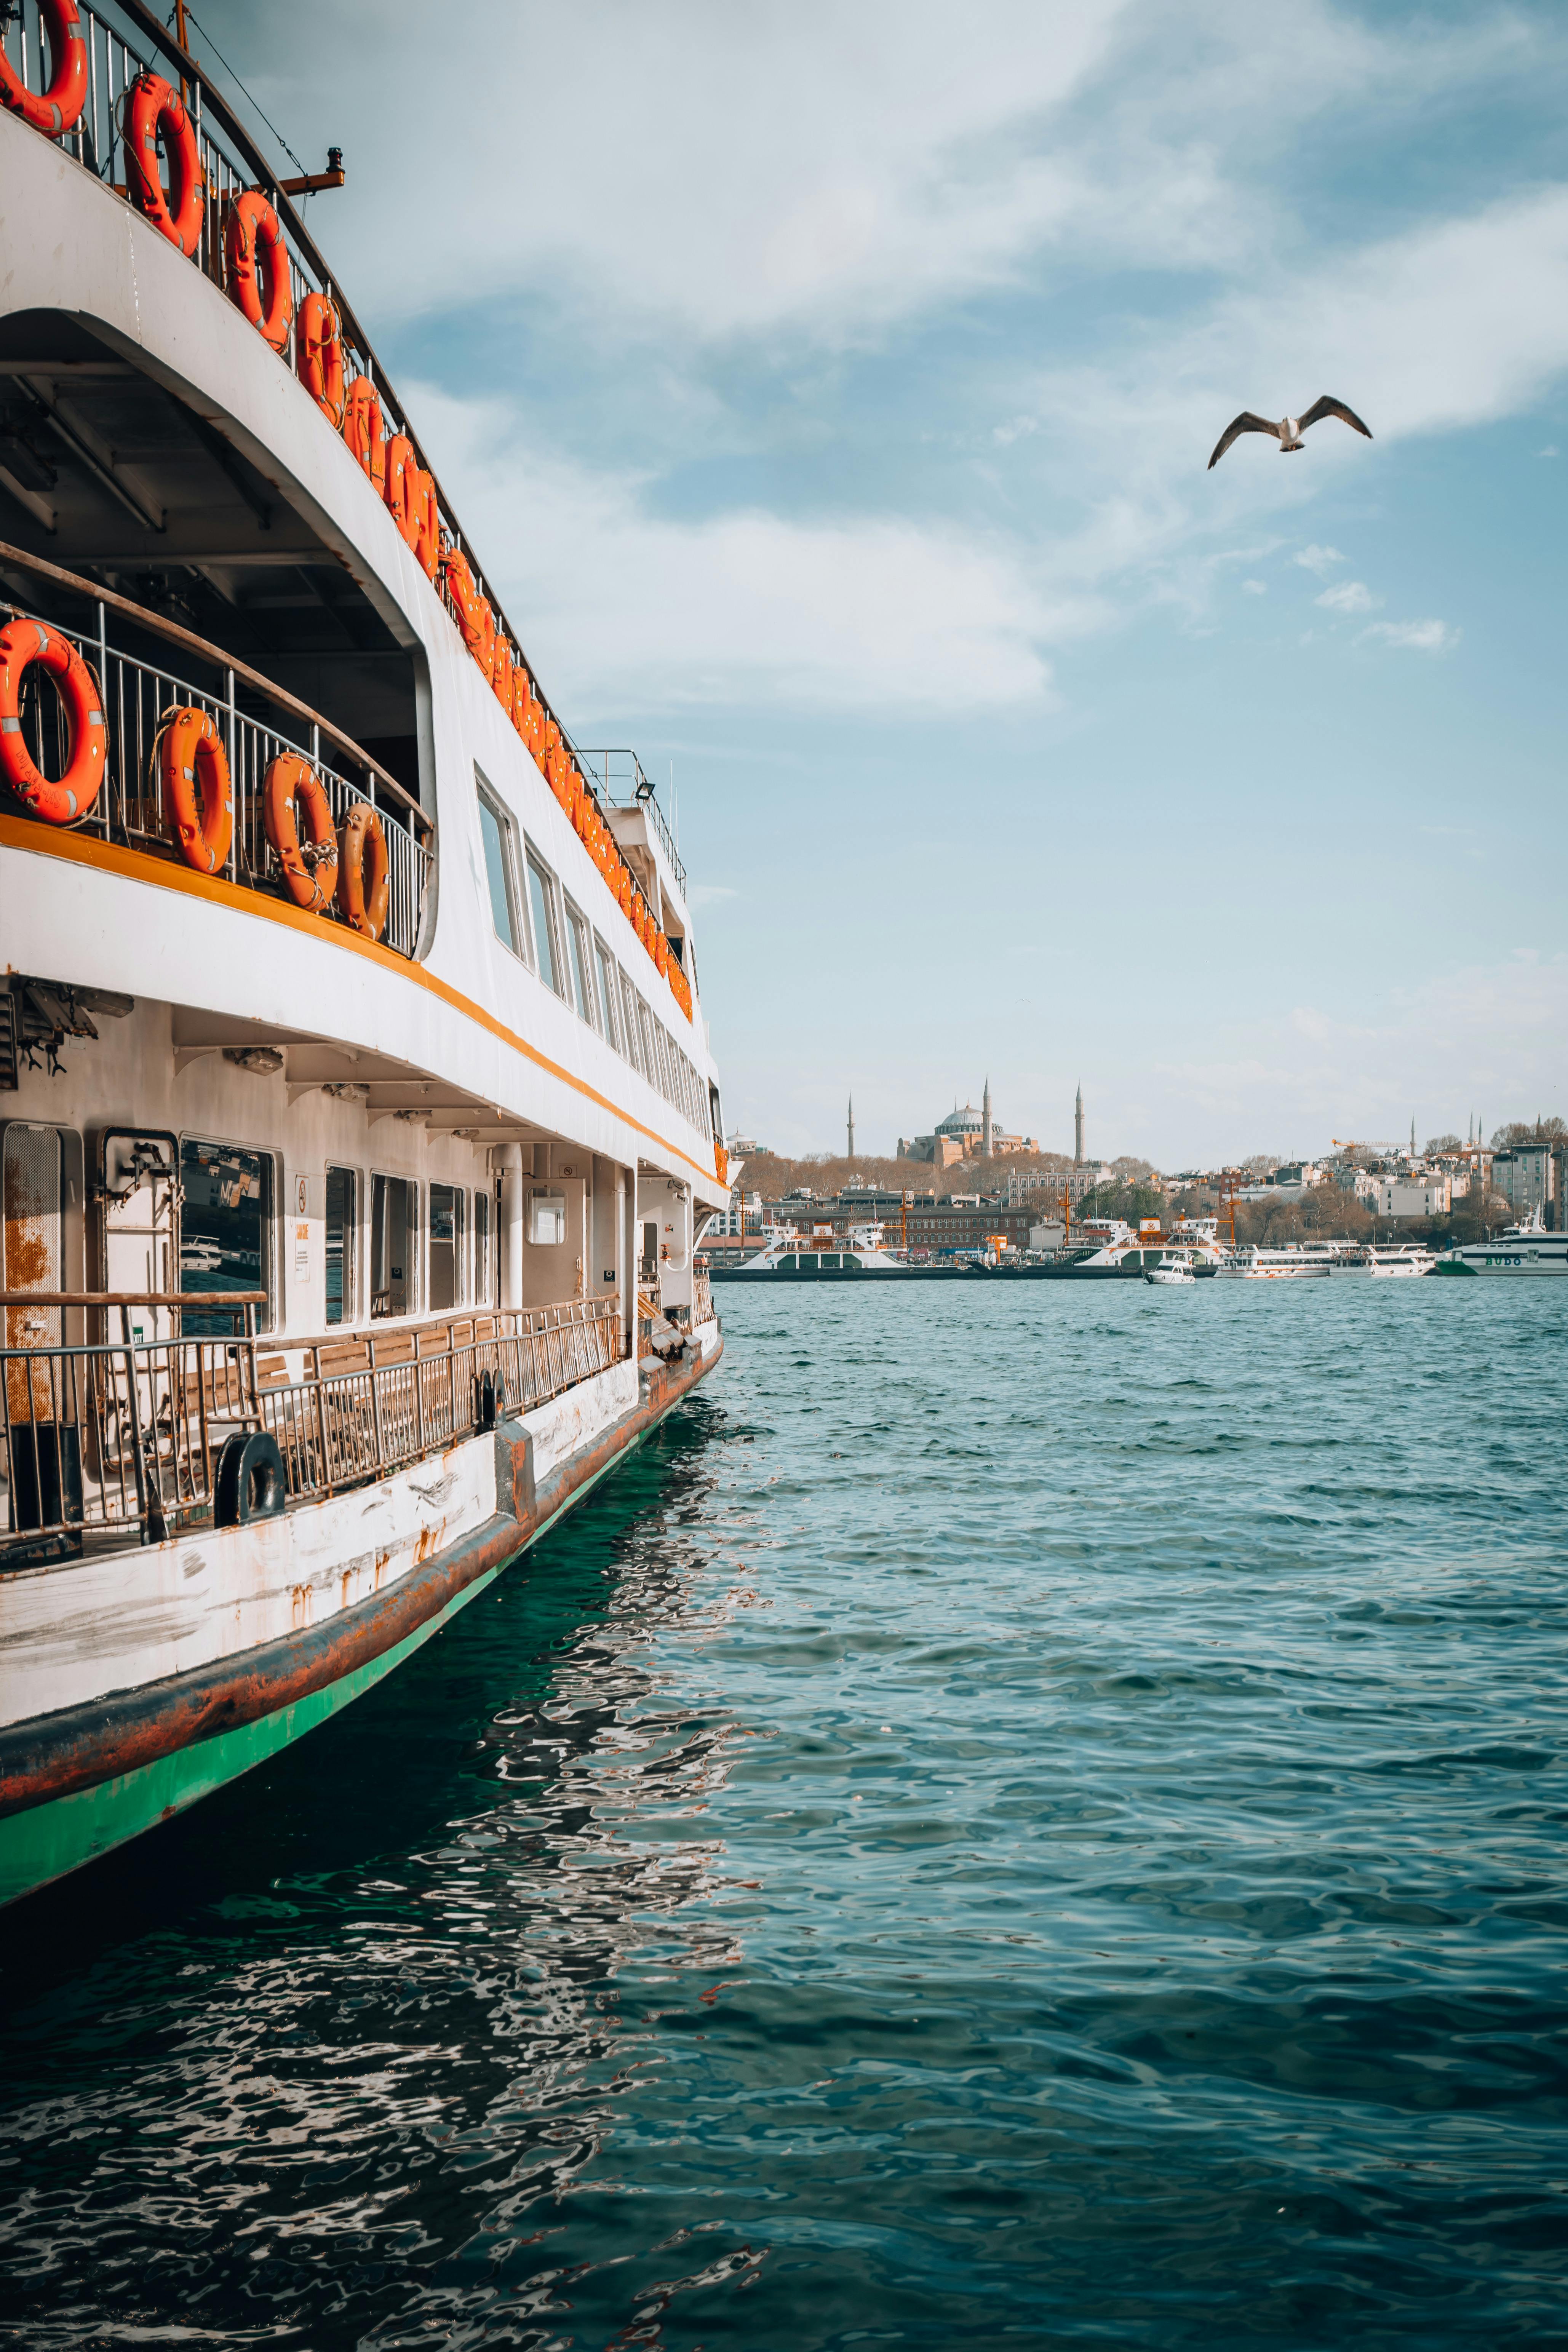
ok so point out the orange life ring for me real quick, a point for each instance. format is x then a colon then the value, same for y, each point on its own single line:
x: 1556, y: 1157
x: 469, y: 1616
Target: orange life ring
x: 410, y: 495
x: 363, y: 432
x: 363, y: 871
x: 501, y: 670
x: 189, y: 756
x: 254, y: 244
x: 156, y: 107
x: 476, y: 620
x: 22, y: 643
x: 661, y: 953
x: 55, y: 110
x: 310, y: 870
x: 319, y: 357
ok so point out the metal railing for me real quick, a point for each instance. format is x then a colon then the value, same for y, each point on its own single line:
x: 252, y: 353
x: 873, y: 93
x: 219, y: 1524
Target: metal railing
x: 701, y: 1292
x: 137, y: 694
x: 123, y: 38
x: 617, y: 779
x: 121, y: 1439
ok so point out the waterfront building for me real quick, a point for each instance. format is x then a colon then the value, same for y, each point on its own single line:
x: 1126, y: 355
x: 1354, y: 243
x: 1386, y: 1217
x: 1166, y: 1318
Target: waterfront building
x: 965, y: 1134
x: 1425, y: 1195
x: 1526, y: 1176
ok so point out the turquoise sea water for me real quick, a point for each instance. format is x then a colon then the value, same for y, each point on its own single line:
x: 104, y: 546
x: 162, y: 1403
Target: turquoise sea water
x: 1024, y: 1817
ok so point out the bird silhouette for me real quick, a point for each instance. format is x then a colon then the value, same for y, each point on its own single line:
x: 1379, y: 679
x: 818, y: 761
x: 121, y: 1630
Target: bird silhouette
x: 1290, y: 429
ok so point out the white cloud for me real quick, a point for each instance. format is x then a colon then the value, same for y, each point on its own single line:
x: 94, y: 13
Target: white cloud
x: 1320, y: 560
x: 708, y: 893
x: 1415, y: 637
x: 1017, y: 428
x: 1548, y: 451
x: 1349, y: 596
x: 1255, y: 587
x: 741, y: 605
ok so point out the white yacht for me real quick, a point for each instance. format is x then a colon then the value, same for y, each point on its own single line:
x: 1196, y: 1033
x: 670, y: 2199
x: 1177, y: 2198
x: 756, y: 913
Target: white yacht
x: 1527, y: 1249
x: 1175, y: 1269
x: 356, y: 1106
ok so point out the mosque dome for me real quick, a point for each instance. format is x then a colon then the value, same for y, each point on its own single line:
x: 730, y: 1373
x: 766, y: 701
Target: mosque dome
x: 967, y: 1121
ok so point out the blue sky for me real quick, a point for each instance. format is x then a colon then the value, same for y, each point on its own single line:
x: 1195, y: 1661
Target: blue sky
x: 830, y: 392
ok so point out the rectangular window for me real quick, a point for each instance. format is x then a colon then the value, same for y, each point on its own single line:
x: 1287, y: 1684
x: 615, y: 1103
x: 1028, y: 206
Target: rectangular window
x: 500, y: 869
x: 483, y: 1279
x: 609, y: 995
x: 645, y: 1031
x: 633, y: 1026
x: 582, y: 956
x: 393, y: 1245
x: 446, y: 1284
x: 226, y: 1228
x: 546, y: 936
x: 341, y: 1240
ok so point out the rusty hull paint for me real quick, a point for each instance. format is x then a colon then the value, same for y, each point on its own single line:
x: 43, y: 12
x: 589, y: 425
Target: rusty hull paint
x: 57, y: 1755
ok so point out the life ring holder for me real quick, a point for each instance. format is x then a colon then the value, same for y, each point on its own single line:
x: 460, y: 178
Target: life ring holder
x: 362, y: 883
x: 154, y: 107
x: 253, y: 244
x: 310, y: 867
x: 22, y: 643
x: 189, y: 757
x: 57, y: 109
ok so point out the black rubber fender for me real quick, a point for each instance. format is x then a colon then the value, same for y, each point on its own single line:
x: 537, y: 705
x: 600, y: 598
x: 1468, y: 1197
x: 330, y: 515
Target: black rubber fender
x: 250, y: 1483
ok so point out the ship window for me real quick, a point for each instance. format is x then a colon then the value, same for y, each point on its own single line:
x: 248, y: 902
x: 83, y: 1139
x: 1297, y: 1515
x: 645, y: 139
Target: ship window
x: 393, y: 1245
x: 340, y: 1240
x: 500, y: 864
x: 483, y: 1277
x: 634, y: 1030
x: 226, y: 1229
x: 608, y: 994
x: 446, y: 1285
x: 645, y: 1030
x: 582, y: 966
x: 546, y: 933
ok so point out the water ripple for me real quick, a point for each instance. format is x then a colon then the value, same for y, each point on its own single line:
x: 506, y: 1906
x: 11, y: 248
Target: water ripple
x: 1019, y: 1818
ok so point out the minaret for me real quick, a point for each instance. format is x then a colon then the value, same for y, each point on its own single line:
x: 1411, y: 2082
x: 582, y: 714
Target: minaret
x: 851, y: 1126
x: 986, y: 1121
x: 1077, y: 1130
x: 1413, y: 1134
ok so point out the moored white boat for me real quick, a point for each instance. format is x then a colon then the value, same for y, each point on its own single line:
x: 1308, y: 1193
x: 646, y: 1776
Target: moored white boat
x: 1523, y: 1250
x: 356, y: 1109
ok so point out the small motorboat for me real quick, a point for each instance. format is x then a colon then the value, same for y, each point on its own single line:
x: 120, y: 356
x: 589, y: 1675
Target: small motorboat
x: 1177, y: 1267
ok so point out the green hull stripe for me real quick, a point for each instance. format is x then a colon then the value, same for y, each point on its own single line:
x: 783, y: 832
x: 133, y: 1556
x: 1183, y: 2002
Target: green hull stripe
x: 47, y: 1841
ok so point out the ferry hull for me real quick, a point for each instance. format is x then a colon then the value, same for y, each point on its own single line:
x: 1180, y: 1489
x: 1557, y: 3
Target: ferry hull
x: 76, y: 1784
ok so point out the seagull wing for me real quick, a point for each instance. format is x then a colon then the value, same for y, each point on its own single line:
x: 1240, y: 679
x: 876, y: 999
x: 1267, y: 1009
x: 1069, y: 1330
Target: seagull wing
x: 1244, y: 423
x: 1328, y: 407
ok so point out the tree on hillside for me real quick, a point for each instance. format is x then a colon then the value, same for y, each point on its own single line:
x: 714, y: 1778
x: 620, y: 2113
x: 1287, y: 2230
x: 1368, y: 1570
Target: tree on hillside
x: 1437, y: 1143
x: 1528, y: 1130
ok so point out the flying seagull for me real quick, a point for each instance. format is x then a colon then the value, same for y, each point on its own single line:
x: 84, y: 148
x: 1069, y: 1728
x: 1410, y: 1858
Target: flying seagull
x: 1290, y: 429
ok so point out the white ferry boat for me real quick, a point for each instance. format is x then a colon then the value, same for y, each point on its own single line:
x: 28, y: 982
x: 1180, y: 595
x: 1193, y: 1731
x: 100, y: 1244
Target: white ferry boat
x: 1116, y: 1250
x: 1527, y: 1249
x: 1382, y: 1261
x: 355, y: 1098
x: 1294, y: 1262
x: 785, y: 1257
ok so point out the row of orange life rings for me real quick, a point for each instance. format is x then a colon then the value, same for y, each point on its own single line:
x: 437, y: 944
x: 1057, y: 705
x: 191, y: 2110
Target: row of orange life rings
x: 491, y: 650
x: 191, y: 765
x: 260, y: 281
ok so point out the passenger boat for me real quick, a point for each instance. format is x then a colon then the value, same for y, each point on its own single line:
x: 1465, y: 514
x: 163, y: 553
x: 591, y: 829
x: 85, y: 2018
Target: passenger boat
x: 356, y: 1109
x: 1295, y: 1261
x: 1117, y: 1250
x: 1174, y: 1269
x: 783, y: 1258
x: 1525, y: 1249
x: 1382, y: 1261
